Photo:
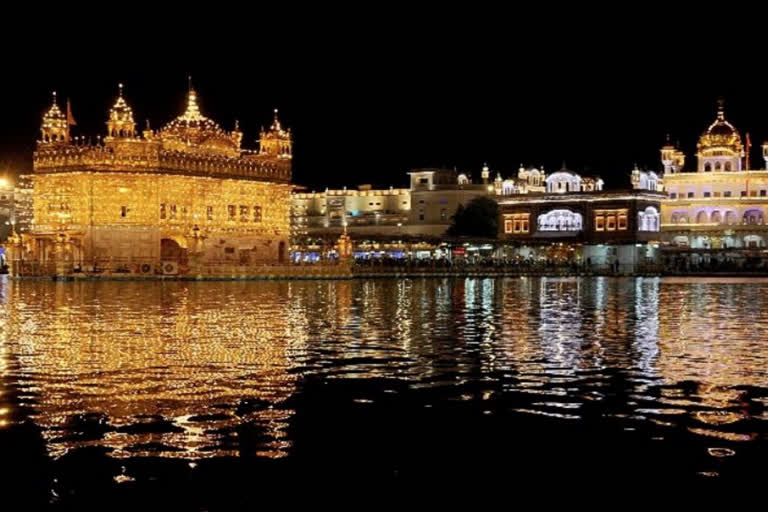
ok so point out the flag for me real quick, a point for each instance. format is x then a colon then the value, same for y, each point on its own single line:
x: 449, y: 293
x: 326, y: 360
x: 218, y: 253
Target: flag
x: 70, y: 119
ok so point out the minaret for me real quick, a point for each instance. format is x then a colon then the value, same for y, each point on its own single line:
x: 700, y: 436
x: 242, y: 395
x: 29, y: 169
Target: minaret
x: 55, y: 128
x: 276, y: 141
x: 635, y: 177
x: 672, y: 158
x: 120, y: 123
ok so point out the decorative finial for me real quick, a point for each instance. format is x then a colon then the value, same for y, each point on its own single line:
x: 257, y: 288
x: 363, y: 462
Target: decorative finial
x: 148, y: 128
x: 189, y: 83
x: 120, y: 87
x: 720, y: 109
x: 237, y: 125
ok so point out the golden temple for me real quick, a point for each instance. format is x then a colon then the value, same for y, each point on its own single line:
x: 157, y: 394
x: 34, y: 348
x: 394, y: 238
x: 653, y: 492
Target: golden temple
x: 185, y: 200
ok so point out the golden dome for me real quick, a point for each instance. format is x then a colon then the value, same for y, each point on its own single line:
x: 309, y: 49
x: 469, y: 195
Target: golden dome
x: 721, y: 135
x: 193, y: 132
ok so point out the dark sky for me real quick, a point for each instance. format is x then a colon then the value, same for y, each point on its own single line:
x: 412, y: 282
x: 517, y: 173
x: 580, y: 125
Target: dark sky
x: 370, y: 102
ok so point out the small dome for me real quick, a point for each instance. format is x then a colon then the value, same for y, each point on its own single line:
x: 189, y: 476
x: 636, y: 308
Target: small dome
x: 121, y: 112
x: 192, y: 131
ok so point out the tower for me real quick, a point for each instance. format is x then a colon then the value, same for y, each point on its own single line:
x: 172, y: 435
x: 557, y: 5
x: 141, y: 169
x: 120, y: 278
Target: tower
x: 55, y: 128
x: 120, y: 123
x: 635, y: 177
x: 276, y: 141
x: 720, y: 148
x: 672, y: 158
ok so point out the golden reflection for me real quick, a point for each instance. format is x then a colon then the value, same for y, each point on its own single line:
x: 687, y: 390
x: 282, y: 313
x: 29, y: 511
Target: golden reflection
x: 176, y: 368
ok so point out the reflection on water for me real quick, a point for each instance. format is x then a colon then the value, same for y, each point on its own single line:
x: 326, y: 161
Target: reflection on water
x: 177, y: 368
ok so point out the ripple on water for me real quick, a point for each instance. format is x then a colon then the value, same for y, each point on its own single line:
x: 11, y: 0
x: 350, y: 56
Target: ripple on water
x: 195, y: 370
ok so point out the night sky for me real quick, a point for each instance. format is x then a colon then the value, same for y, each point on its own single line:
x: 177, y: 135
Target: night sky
x: 369, y: 103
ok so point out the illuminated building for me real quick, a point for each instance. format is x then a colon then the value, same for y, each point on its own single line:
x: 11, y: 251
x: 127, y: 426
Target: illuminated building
x: 182, y: 200
x: 528, y: 179
x: 364, y: 210
x: 576, y: 221
x: 436, y: 195
x: 390, y: 220
x: 720, y: 205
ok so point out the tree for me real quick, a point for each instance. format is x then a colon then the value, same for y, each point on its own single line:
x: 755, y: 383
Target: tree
x: 479, y: 219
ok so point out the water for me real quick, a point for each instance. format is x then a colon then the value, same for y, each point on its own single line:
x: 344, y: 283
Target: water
x: 135, y: 388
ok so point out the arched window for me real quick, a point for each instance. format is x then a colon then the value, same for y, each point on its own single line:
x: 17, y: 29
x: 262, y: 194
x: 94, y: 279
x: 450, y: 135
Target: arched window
x: 560, y: 220
x: 717, y: 218
x: 707, y: 167
x: 717, y: 166
x: 648, y: 219
x: 727, y: 166
x: 753, y: 216
x: 701, y: 218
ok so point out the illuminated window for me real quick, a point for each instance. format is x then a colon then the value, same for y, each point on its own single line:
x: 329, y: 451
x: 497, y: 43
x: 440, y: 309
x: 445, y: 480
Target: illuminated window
x: 173, y: 211
x: 257, y: 213
x: 648, y: 219
x: 560, y: 220
x: 600, y: 223
x: 611, y: 220
x: 727, y: 193
x: 183, y: 212
x: 231, y: 211
x: 715, y: 194
x: 243, y: 213
x: 162, y: 210
x: 518, y: 223
x: 753, y: 193
x: 209, y: 212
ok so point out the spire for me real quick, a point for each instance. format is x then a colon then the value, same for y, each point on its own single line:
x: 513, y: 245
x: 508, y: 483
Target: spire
x: 721, y: 109
x: 193, y: 111
x: 276, y: 123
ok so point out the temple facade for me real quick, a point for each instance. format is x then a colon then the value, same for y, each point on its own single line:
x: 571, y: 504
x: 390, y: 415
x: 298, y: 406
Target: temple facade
x: 576, y: 221
x: 184, y: 200
x: 723, y: 204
